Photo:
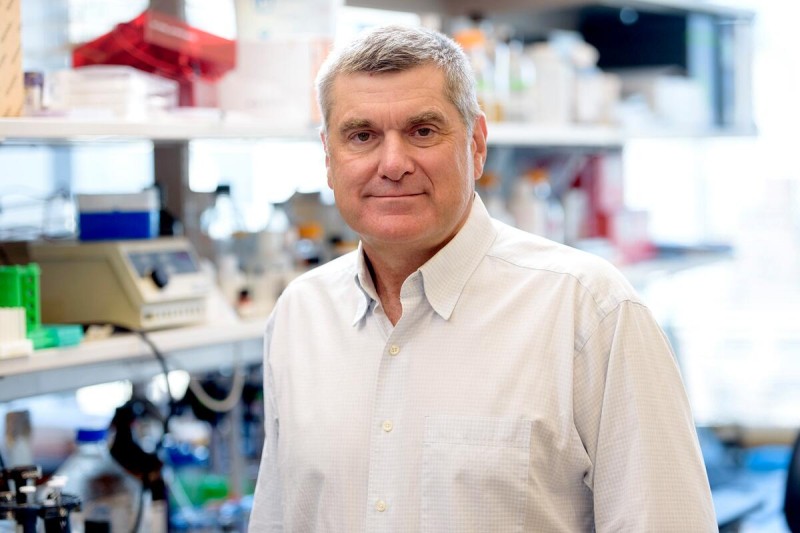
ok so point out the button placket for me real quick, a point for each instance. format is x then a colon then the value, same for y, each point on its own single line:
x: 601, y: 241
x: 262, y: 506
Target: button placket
x: 386, y: 443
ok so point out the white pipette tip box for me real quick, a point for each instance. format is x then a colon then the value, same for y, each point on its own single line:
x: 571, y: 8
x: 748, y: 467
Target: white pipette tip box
x: 13, y: 342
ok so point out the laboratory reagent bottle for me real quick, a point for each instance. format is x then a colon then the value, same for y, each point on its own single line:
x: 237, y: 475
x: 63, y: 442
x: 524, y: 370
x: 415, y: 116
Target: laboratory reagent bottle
x: 108, y: 492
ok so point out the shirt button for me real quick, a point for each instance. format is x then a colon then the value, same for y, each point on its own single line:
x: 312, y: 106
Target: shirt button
x: 387, y: 426
x: 394, y: 349
x: 380, y: 506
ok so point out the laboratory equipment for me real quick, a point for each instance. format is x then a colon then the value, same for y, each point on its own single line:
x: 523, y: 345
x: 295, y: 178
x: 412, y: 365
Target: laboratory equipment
x: 140, y: 284
x: 18, y: 501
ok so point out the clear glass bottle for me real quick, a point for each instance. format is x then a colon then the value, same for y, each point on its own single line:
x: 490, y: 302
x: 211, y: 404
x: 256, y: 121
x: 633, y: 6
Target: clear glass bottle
x: 108, y: 492
x: 553, y: 218
x: 222, y: 223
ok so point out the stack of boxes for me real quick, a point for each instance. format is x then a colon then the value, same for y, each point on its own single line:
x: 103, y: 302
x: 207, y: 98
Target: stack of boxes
x: 12, y: 91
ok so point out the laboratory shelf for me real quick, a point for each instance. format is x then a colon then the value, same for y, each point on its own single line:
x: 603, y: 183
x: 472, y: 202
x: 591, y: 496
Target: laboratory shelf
x: 36, y: 130
x: 177, y: 129
x: 54, y: 129
x: 462, y: 7
x: 526, y: 134
x: 75, y: 130
x: 211, y: 346
x: 127, y: 356
x: 641, y: 273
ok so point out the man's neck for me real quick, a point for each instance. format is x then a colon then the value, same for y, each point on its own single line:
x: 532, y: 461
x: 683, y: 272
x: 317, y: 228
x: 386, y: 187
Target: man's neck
x: 389, y: 270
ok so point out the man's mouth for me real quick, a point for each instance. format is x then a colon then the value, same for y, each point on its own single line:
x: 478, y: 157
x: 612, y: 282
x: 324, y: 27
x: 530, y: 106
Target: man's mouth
x: 397, y: 195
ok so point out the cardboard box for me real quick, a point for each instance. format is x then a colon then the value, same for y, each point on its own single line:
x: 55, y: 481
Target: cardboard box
x: 12, y: 91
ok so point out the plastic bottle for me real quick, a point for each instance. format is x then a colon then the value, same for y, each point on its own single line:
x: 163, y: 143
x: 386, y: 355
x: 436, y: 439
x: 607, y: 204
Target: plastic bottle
x: 535, y: 208
x: 276, y: 256
x: 222, y: 221
x: 478, y: 45
x: 107, y: 491
x: 521, y: 88
x: 489, y: 186
x: 527, y: 207
x: 553, y: 210
x: 554, y: 94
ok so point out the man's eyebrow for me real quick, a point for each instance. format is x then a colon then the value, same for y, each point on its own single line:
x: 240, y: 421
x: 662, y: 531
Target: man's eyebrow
x: 354, y: 124
x: 427, y: 117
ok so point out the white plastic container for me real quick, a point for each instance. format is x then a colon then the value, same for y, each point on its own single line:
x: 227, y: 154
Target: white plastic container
x: 13, y: 342
x: 112, y: 91
x: 554, y: 86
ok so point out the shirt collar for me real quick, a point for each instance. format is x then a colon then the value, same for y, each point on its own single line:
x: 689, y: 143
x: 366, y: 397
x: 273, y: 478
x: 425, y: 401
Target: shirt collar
x: 363, y: 280
x: 446, y: 273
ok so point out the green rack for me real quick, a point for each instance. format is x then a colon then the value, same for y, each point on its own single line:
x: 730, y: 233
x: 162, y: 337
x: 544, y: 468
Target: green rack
x: 19, y: 287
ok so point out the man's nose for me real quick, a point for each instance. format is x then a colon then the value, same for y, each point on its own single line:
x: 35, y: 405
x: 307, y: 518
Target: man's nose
x: 396, y: 160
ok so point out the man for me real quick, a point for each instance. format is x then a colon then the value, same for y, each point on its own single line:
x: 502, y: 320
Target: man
x: 455, y: 374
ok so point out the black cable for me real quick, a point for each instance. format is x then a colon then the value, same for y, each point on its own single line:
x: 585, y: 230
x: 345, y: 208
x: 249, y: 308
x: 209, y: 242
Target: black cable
x: 164, y: 370
x: 162, y: 362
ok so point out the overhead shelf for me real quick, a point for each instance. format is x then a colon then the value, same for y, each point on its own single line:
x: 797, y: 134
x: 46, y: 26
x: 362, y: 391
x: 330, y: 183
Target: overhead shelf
x: 55, y: 130
x: 668, y: 263
x: 522, y: 134
x: 71, y: 130
x: 126, y: 356
x: 38, y: 129
x: 465, y: 7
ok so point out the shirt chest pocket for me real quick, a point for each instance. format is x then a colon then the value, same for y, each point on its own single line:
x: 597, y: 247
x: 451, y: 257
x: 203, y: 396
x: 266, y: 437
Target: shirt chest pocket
x: 475, y: 474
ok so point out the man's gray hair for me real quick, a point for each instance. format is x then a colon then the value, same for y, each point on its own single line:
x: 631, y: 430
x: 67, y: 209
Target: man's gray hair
x: 398, y: 48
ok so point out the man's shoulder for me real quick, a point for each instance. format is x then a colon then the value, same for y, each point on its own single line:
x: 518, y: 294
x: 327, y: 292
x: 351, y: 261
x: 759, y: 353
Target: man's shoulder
x: 531, y: 254
x: 332, y: 275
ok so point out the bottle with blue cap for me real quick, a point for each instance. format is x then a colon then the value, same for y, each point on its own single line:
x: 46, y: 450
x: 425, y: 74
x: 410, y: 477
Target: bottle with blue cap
x: 111, y: 496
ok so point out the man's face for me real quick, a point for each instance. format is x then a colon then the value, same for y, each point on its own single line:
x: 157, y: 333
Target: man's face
x: 400, y: 161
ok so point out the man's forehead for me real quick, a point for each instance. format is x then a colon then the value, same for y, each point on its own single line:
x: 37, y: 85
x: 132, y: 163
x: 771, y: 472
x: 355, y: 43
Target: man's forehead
x: 348, y: 112
x: 430, y: 73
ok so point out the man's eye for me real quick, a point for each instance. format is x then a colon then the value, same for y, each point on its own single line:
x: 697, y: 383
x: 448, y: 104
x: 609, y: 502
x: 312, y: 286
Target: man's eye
x: 362, y: 136
x: 424, y: 132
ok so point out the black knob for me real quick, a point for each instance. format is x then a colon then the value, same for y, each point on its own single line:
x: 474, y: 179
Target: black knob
x: 159, y: 277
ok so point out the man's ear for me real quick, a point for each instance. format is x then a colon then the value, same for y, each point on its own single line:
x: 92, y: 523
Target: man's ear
x: 324, y: 140
x: 479, y: 148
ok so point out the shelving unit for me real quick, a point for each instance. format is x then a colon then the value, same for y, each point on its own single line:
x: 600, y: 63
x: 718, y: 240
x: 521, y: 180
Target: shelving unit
x: 160, y: 129
x: 210, y: 346
x: 194, y: 349
x: 201, y: 347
